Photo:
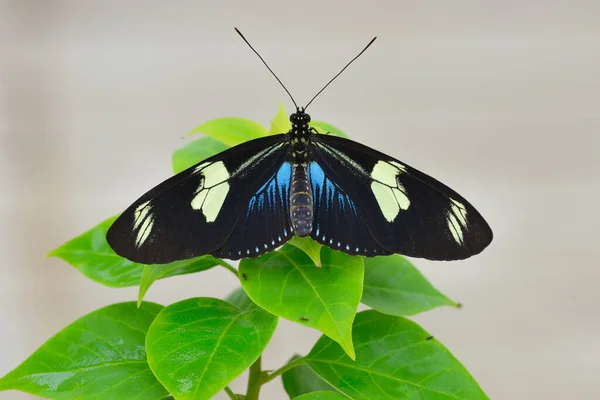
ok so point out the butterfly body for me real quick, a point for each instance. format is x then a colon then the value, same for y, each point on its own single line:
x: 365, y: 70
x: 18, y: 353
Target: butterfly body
x: 301, y: 194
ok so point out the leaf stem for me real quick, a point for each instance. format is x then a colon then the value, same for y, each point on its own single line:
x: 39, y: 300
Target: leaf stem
x: 230, y: 393
x: 286, y: 367
x: 254, y: 380
x: 228, y: 267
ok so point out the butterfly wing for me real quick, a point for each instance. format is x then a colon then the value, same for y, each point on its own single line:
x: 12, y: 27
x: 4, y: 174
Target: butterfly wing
x: 265, y: 223
x: 404, y: 210
x: 196, y: 211
x: 338, y: 221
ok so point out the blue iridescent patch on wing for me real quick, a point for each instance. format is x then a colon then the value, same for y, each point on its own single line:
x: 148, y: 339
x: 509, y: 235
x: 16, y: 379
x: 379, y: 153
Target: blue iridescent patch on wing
x: 325, y: 191
x: 275, y: 190
x: 316, y: 173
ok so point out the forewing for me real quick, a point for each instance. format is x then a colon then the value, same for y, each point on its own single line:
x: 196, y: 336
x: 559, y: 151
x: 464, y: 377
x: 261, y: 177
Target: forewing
x: 195, y: 212
x: 338, y: 222
x: 405, y: 210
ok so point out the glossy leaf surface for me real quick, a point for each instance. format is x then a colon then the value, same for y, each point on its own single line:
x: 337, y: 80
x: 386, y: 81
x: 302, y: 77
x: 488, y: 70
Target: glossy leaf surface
x: 324, y: 128
x: 99, y: 356
x: 394, y: 286
x: 93, y: 257
x: 152, y: 273
x: 395, y: 359
x: 197, y: 346
x: 288, y: 284
x: 281, y: 122
x: 308, y: 246
x: 302, y: 379
x: 231, y: 131
x: 196, y: 151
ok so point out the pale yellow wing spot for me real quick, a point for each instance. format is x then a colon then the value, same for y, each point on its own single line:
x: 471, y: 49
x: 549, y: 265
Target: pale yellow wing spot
x: 212, y: 191
x: 144, y: 231
x: 198, y: 200
x: 387, y: 201
x: 214, y: 201
x: 389, y: 192
x: 140, y: 214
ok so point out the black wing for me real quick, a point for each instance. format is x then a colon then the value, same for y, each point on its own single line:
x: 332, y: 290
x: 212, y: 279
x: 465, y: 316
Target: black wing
x: 404, y: 210
x: 225, y: 205
x: 265, y: 223
x: 338, y: 221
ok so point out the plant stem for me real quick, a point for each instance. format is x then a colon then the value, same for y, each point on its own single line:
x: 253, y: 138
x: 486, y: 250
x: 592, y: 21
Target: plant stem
x: 254, y: 380
x: 230, y: 393
x: 228, y: 267
x: 286, y: 367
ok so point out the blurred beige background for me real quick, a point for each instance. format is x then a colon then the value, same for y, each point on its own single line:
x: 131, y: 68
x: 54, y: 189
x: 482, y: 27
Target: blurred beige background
x: 500, y: 100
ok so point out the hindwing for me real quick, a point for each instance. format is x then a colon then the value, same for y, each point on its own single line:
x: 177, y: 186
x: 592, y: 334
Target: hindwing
x: 338, y: 221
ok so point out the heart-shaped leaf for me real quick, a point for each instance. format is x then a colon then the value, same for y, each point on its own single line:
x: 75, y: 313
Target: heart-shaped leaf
x: 196, y: 151
x: 152, y: 273
x: 93, y: 257
x: 99, y: 356
x: 281, y: 123
x: 301, y: 380
x: 394, y: 286
x: 395, y: 359
x: 325, y: 128
x: 231, y: 131
x: 197, y: 346
x: 288, y: 284
x: 321, y: 396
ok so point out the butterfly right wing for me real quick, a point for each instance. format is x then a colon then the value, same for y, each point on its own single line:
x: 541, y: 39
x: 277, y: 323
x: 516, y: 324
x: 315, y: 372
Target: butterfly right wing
x: 195, y: 212
x: 265, y: 223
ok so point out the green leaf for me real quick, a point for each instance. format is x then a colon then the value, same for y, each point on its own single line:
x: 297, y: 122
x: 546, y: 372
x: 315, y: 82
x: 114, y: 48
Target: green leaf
x: 394, y: 286
x: 93, y: 257
x: 301, y: 379
x: 395, y: 359
x: 231, y: 131
x: 152, y: 273
x: 281, y: 123
x: 239, y: 298
x: 288, y: 284
x: 322, y: 396
x: 99, y: 356
x: 324, y: 127
x: 309, y: 246
x: 197, y: 346
x: 196, y: 151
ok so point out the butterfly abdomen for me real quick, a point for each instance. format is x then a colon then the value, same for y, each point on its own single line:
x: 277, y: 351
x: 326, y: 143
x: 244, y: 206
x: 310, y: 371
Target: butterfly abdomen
x: 301, y: 202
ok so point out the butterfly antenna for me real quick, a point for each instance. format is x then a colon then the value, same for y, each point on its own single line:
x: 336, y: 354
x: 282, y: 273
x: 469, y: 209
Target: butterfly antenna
x: 339, y: 73
x: 266, y: 65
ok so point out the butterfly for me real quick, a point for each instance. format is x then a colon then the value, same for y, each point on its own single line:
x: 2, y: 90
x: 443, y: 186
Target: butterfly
x: 254, y: 197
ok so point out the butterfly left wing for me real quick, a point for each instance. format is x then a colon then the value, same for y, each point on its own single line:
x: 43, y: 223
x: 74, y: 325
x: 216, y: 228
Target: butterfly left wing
x: 338, y: 222
x: 404, y: 210
x: 197, y: 211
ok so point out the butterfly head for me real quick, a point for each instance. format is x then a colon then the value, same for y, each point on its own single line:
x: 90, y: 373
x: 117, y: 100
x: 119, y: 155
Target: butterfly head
x: 299, y: 119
